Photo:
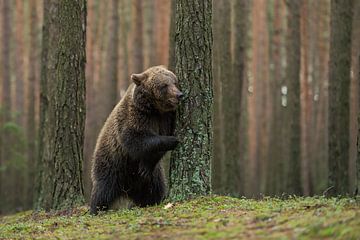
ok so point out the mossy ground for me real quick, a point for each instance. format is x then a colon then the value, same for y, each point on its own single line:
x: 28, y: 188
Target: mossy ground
x: 213, y: 217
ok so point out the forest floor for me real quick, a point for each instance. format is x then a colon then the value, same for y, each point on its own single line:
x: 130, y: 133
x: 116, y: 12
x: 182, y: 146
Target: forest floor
x: 214, y: 217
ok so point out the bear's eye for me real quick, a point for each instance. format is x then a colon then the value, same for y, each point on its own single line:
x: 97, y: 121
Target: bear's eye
x: 163, y: 87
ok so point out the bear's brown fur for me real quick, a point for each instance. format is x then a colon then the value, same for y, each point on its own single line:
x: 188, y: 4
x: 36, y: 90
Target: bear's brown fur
x: 136, y: 135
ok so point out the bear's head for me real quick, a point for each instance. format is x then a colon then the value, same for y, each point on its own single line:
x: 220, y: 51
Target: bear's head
x: 159, y: 87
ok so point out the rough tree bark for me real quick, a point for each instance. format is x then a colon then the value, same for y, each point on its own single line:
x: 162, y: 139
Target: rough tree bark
x: 293, y: 78
x: 62, y: 116
x: 190, y: 162
x: 339, y: 94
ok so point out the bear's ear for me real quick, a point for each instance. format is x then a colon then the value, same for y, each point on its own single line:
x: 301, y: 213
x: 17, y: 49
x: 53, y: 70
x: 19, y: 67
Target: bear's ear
x: 138, y: 78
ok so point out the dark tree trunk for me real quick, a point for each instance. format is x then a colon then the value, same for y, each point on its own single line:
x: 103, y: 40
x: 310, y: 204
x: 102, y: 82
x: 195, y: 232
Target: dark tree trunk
x: 30, y: 123
x: 339, y: 94
x: 293, y: 79
x: 218, y: 149
x: 62, y: 105
x: 233, y: 101
x: 5, y: 116
x: 190, y: 162
x: 358, y: 136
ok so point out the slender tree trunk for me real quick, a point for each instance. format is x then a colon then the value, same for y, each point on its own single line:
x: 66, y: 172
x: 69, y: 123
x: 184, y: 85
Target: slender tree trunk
x: 354, y: 91
x: 137, y: 37
x: 358, y: 136
x: 62, y: 104
x: 218, y: 149
x: 171, y: 64
x: 293, y: 78
x: 275, y: 171
x: 229, y: 111
x: 339, y: 94
x: 5, y: 101
x: 190, y: 162
x: 110, y: 84
x: 19, y: 62
x: 30, y: 124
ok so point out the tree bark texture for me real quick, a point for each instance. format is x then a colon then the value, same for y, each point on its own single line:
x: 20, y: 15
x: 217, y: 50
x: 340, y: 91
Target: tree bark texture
x: 62, y: 116
x: 339, y: 94
x: 190, y: 162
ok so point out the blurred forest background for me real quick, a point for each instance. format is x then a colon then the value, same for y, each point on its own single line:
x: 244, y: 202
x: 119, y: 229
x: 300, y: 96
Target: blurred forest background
x: 258, y: 150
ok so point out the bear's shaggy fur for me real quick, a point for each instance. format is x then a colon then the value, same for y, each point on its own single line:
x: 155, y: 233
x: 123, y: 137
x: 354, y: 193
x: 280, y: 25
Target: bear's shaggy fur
x: 134, y: 138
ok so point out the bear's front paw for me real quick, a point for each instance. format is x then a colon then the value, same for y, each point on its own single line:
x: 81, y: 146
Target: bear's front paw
x: 172, y: 142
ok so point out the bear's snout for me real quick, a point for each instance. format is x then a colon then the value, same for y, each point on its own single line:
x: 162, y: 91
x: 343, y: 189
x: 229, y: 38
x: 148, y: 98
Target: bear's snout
x: 179, y: 95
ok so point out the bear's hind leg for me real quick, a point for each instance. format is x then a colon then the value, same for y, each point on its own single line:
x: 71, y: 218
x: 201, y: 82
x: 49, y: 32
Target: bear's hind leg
x: 151, y: 190
x: 103, y: 195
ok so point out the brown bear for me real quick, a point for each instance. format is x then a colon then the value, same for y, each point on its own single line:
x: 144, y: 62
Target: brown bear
x: 134, y: 138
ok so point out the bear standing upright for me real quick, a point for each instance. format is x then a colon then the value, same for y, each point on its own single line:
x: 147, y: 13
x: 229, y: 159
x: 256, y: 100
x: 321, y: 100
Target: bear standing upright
x: 134, y: 138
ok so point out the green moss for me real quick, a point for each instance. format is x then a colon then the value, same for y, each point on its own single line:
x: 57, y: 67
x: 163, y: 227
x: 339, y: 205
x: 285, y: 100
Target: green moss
x: 212, y: 217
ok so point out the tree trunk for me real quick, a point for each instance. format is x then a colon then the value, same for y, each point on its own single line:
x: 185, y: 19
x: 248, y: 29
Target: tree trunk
x: 30, y: 123
x: 137, y: 37
x: 190, y: 162
x: 339, y: 94
x: 358, y: 136
x: 5, y: 116
x: 171, y: 61
x: 62, y: 105
x: 293, y: 78
x: 109, y: 85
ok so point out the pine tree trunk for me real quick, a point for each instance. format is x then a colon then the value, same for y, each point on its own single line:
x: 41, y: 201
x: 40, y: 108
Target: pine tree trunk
x: 339, y: 93
x: 190, y: 162
x: 62, y: 105
x: 218, y: 149
x: 30, y: 123
x: 5, y: 116
x: 358, y: 136
x: 171, y: 61
x: 293, y: 78
x: 137, y: 37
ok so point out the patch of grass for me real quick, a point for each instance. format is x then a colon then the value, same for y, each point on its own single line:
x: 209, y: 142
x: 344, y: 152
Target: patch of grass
x: 212, y: 217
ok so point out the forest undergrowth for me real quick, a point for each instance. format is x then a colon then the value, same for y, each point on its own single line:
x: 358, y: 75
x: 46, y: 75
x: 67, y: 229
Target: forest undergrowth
x: 212, y: 217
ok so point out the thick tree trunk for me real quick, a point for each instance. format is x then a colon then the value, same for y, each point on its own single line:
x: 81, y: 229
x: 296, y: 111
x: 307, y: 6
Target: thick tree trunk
x: 190, y: 162
x: 339, y: 93
x: 293, y: 78
x: 62, y: 104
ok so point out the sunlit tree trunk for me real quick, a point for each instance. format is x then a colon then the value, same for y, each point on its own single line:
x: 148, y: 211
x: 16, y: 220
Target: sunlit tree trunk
x: 190, y: 162
x: 339, y: 95
x: 62, y: 105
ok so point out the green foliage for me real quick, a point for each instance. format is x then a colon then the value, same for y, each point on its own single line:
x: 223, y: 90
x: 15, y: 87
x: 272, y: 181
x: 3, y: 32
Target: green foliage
x: 213, y: 217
